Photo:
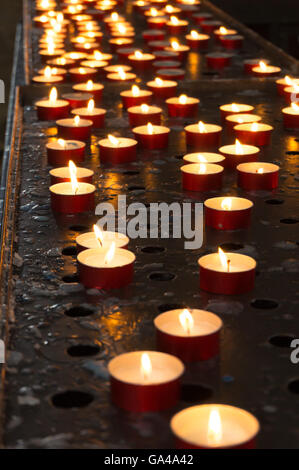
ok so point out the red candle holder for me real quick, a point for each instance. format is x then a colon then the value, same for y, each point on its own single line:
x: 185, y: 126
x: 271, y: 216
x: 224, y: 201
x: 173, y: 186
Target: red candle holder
x: 235, y: 108
x: 232, y: 42
x: 234, y: 119
x: 50, y: 110
x: 162, y: 88
x: 118, y: 43
x: 249, y: 64
x: 228, y: 213
x: 63, y: 175
x: 74, y: 129
x: 117, y: 150
x: 158, y: 46
x: 171, y: 74
x: 141, y: 61
x: 141, y: 115
x: 258, y: 176
x: 166, y: 55
x: 283, y: 84
x: 200, y: 17
x: 264, y: 71
x: 182, y: 106
x: 65, y: 200
x: 96, y: 115
x: 152, y: 137
x: 209, y: 26
x: 202, y: 176
x: 157, y: 23
x: 239, y: 153
x: 77, y: 100
x: 124, y: 52
x: 61, y: 62
x: 81, y: 74
x: 218, y: 60
x: 291, y: 116
x: 94, y: 89
x: 203, y: 136
x: 181, y: 49
x: 191, y: 335
x: 134, y: 392
x: 166, y: 64
x: 135, y: 97
x: 257, y: 133
x: 95, y: 272
x: 236, y: 276
x: 198, y: 41
x: 61, y: 151
x: 176, y: 27
x: 153, y: 35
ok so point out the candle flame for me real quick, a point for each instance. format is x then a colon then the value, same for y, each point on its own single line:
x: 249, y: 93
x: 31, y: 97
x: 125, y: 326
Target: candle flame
x: 121, y: 28
x: 113, y: 140
x: 214, y: 428
x: 73, y: 174
x: 174, y: 20
x: 186, y: 320
x: 226, y: 204
x: 82, y: 71
x: 201, y: 158
x: 201, y: 127
x: 51, y: 48
x: 223, y: 259
x: 135, y: 90
x: 145, y: 366
x: 114, y: 16
x: 144, y: 108
x: 98, y: 55
x: 202, y: 168
x: 223, y: 30
x: 99, y: 235
x: 154, y: 12
x: 288, y: 80
x: 89, y: 85
x: 175, y: 45
x: 110, y: 254
x: 61, y: 61
x: 90, y: 106
x: 295, y: 107
x: 77, y: 120
x: 158, y: 81
x: 150, y: 128
x: 60, y: 17
x: 239, y: 147
x: 62, y: 143
x: 121, y: 73
x: 235, y: 107
x: 260, y: 171
x: 48, y: 72
x: 183, y: 99
x: 53, y: 95
x: 254, y: 127
x: 138, y: 54
x: 194, y: 34
x: 263, y: 66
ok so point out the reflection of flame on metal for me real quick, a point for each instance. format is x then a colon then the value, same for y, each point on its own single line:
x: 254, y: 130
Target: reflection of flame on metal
x: 145, y: 366
x: 186, y: 320
x: 214, y: 428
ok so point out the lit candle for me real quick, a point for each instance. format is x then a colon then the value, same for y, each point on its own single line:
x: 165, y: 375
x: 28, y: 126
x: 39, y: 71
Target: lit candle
x: 77, y: 99
x: 249, y: 64
x: 162, y: 88
x: 204, y: 157
x: 81, y: 74
x: 181, y: 49
x: 171, y: 74
x: 60, y: 151
x: 72, y: 197
x: 145, y: 380
x: 258, y: 176
x: 97, y: 65
x: 201, y: 176
x: 124, y: 52
x: 106, y: 267
x: 142, y: 114
x: 264, y: 70
x: 176, y: 26
x: 151, y: 136
x: 121, y: 76
x: 118, y: 43
x: 49, y: 76
x: 218, y: 60
x: 209, y: 26
x: 257, y: 133
x: 101, y: 239
x: 226, y: 273
x: 239, y: 153
x: 117, y: 150
x: 223, y: 31
x: 234, y: 119
x: 199, y: 17
x: 95, y: 89
x: 158, y: 49
x: 235, y: 108
x: 232, y: 42
x: 64, y: 174
x: 203, y: 136
x: 141, y: 60
x: 76, y: 128
x: 75, y: 56
x: 291, y: 93
x: 153, y: 35
x: 157, y: 23
x: 61, y: 62
x: 182, y: 106
x: 283, y: 83
x: 100, y: 56
x: 50, y: 53
x: 228, y: 213
x: 190, y: 335
x: 197, y: 40
x: 214, y: 426
x: 291, y: 116
x: 115, y: 68
x: 52, y: 108
x: 135, y: 97
x: 96, y: 115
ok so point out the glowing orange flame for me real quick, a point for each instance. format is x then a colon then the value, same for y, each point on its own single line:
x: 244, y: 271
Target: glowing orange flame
x: 90, y: 106
x: 186, y: 320
x: 73, y: 174
x: 61, y: 143
x: 183, y: 99
x: 223, y: 259
x: 99, y: 235
x: 201, y: 127
x: 226, y: 204
x: 113, y: 140
x: 145, y: 366
x: 135, y: 90
x: 214, y: 428
x: 77, y: 120
x: 53, y: 95
x: 110, y: 254
x: 89, y: 85
x: 239, y: 147
x: 150, y: 128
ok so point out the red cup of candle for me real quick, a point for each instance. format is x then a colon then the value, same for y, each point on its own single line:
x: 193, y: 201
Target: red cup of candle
x: 77, y: 100
x: 239, y: 153
x: 48, y: 79
x: 166, y: 64
x: 232, y: 42
x: 249, y: 64
x: 257, y: 133
x: 222, y: 31
x: 162, y: 88
x: 65, y: 199
x: 63, y: 175
x: 143, y: 381
x: 61, y: 62
x: 166, y: 55
x: 50, y: 109
x: 204, y: 157
x: 176, y: 27
x: 228, y: 213
x: 182, y: 106
x: 96, y: 115
x: 171, y: 74
x: 157, y: 23
x: 135, y: 97
x: 291, y: 93
x: 264, y: 71
x: 141, y: 115
x: 61, y: 151
x: 153, y: 35
x: 214, y: 426
x: 198, y: 41
x: 234, y: 119
x: 124, y: 52
x: 118, y: 43
x: 116, y: 150
x: 291, y: 116
x: 209, y: 26
x: 141, y: 61
x: 74, y: 129
x: 102, y: 268
x: 180, y: 49
x: 282, y: 84
x: 226, y: 273
x: 46, y: 54
x: 235, y: 108
x: 201, y: 176
x: 203, y: 136
x: 81, y: 74
x: 94, y: 89
x: 200, y: 17
x: 89, y: 240
x: 152, y: 137
x: 158, y: 46
x: 218, y: 60
x: 191, y: 335
x: 258, y: 176
x: 121, y: 76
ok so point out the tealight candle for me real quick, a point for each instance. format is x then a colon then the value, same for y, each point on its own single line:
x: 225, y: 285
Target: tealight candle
x: 264, y: 70
x: 63, y: 174
x: 235, y: 108
x: 100, y: 56
x: 77, y: 99
x: 76, y: 128
x: 87, y: 46
x: 249, y: 64
x: 80, y: 74
x: 166, y: 64
x: 234, y: 119
x: 162, y: 88
x: 75, y: 56
x: 291, y: 116
x: 95, y: 89
x: 258, y: 176
x: 117, y: 43
x: 145, y: 380
x: 226, y: 273
x: 135, y: 97
x: 171, y: 74
x: 197, y: 40
x: 228, y: 213
x: 283, y: 83
x: 200, y: 17
x: 176, y: 26
x: 158, y: 22
x: 50, y: 53
x: 61, y: 151
x: 117, y: 150
x: 182, y: 106
x: 232, y: 42
x: 201, y: 176
x: 218, y: 60
x: 257, y: 133
x: 239, y: 153
x: 101, y: 239
x: 214, y: 427
x: 115, y: 68
x: 106, y: 268
x: 141, y: 60
x: 209, y: 26
x: 124, y: 52
x: 153, y: 35
x: 70, y: 198
x: 291, y: 93
x: 158, y: 47
x: 49, y: 77
x: 142, y: 114
x: 97, y: 65
x: 96, y: 115
x: 152, y: 136
x: 121, y: 76
x: 190, y: 335
x: 203, y: 136
x: 223, y: 31
x: 181, y: 49
x: 204, y: 157
x: 52, y: 108
x: 61, y: 62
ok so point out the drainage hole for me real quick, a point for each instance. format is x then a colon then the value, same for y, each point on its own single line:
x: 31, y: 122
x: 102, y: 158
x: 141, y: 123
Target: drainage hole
x: 153, y: 249
x: 69, y: 251
x: 78, y: 311
x: 83, y: 350
x: 71, y: 278
x: 264, y: 304
x: 281, y: 341
x: 159, y: 276
x: 196, y: 393
x: 72, y: 399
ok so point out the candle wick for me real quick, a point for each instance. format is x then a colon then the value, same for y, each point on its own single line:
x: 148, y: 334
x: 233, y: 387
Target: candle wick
x: 228, y: 264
